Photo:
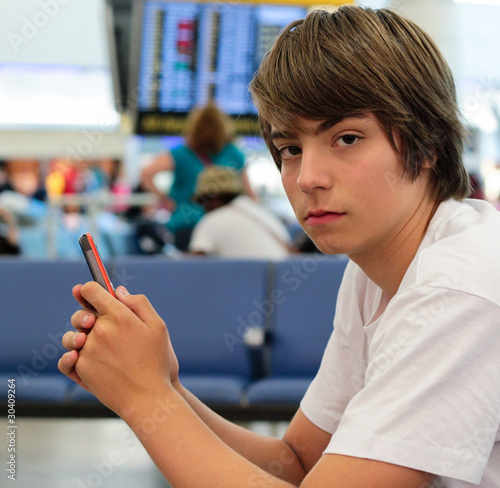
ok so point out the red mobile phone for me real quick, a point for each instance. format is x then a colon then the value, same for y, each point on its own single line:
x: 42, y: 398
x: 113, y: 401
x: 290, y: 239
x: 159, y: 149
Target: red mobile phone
x: 95, y: 263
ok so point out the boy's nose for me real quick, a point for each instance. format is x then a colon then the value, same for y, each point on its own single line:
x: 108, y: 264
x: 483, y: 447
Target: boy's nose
x: 315, y: 171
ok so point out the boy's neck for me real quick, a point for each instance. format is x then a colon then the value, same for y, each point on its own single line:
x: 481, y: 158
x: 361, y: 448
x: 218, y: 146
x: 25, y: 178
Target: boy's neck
x: 388, y: 266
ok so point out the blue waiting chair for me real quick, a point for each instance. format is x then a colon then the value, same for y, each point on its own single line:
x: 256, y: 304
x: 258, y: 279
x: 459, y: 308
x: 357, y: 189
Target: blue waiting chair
x: 38, y: 300
x: 305, y: 292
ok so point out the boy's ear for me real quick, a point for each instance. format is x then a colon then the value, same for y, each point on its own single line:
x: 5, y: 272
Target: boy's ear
x: 429, y: 164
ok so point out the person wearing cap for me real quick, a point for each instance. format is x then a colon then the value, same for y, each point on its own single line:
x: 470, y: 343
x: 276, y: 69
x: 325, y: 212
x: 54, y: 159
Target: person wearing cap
x: 235, y: 226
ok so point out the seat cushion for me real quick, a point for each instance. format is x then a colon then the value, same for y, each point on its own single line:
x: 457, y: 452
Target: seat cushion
x: 276, y: 391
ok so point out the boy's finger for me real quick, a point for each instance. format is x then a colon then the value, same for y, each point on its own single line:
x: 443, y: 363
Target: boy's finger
x: 78, y: 297
x: 97, y: 297
x: 141, y: 306
x: 73, y: 340
x: 66, y: 366
x: 83, y: 320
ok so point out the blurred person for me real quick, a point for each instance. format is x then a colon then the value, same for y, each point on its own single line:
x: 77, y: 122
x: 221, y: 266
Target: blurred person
x: 114, y: 180
x: 116, y: 183
x: 305, y: 244
x: 55, y: 181
x: 477, y: 189
x: 25, y: 178
x: 235, y: 226
x: 5, y: 184
x: 150, y: 234
x: 9, y: 234
x: 208, y: 141
x: 22, y: 192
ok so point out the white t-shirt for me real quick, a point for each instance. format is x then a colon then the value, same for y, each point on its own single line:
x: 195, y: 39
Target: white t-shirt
x: 241, y: 229
x: 419, y: 384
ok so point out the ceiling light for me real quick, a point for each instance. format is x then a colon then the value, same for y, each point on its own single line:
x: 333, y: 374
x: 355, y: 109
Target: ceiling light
x: 482, y: 2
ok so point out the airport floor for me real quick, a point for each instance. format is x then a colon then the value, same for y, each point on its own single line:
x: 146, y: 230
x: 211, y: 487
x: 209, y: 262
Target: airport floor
x: 87, y: 453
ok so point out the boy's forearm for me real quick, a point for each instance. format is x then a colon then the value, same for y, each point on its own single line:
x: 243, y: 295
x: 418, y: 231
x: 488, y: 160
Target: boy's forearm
x: 271, y: 454
x: 188, y: 452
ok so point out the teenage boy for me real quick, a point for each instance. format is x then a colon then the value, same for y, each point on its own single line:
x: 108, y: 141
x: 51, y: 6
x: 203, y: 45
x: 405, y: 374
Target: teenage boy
x: 358, y: 109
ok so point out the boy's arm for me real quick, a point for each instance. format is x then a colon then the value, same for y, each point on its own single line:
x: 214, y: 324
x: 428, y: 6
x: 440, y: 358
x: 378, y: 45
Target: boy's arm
x: 289, y: 458
x: 337, y: 471
x: 188, y: 453
x: 129, y: 336
x: 163, y: 162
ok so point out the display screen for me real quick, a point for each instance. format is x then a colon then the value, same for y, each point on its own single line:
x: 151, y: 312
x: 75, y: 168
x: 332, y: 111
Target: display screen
x: 56, y: 67
x: 193, y: 52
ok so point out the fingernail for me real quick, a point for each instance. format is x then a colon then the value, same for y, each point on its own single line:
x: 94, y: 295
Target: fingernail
x: 85, y: 319
x: 121, y: 290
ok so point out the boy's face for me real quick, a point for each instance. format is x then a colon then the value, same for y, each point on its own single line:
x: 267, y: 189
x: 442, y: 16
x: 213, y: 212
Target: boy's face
x: 346, y: 187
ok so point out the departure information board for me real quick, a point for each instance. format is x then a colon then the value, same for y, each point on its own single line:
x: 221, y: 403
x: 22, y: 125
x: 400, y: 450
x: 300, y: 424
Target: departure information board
x: 193, y: 52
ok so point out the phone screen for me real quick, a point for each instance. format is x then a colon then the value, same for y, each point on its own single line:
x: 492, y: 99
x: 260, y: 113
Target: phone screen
x: 95, y: 263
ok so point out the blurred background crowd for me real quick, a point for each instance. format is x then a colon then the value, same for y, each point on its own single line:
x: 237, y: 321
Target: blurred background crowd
x: 102, y: 133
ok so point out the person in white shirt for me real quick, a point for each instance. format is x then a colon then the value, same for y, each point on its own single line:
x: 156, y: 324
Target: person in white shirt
x: 358, y: 109
x: 234, y: 225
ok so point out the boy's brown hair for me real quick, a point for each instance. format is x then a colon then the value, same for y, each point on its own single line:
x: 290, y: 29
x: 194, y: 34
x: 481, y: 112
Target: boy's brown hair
x: 356, y: 60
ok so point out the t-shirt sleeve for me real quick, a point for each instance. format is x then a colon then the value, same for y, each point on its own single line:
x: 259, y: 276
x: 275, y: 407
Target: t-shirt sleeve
x: 341, y: 373
x: 431, y: 399
x: 337, y: 381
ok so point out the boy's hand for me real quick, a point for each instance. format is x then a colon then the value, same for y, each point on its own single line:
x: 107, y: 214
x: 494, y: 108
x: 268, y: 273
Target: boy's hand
x: 121, y: 351
x: 82, y: 321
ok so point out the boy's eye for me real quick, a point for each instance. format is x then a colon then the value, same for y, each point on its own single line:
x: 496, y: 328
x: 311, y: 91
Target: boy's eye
x: 289, y: 152
x: 347, y: 139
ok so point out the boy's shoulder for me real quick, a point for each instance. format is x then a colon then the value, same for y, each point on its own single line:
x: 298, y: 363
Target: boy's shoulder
x: 460, y: 250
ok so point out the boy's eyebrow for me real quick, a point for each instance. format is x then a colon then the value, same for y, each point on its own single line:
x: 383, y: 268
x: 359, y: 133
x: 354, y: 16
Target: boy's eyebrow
x: 275, y: 134
x: 285, y: 134
x: 325, y: 125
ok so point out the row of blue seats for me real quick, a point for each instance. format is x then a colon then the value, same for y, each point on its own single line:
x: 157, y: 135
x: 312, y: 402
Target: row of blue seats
x: 247, y: 333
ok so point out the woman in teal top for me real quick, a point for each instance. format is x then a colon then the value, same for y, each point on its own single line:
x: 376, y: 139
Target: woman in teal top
x: 208, y: 137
